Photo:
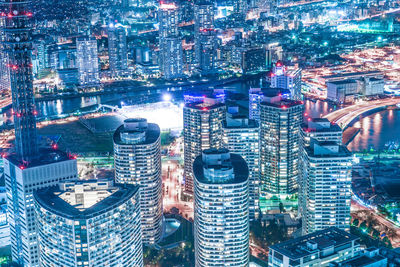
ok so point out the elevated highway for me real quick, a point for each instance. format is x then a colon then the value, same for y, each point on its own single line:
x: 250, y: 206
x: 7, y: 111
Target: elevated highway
x: 345, y: 116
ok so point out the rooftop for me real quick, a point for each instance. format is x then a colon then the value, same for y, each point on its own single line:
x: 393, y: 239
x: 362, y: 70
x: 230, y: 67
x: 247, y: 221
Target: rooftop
x: 45, y: 156
x: 298, y: 247
x: 361, y: 261
x: 343, y: 81
x: 220, y: 159
x: 327, y: 150
x: 320, y: 125
x: 206, y: 104
x: 151, y: 131
x: 51, y: 198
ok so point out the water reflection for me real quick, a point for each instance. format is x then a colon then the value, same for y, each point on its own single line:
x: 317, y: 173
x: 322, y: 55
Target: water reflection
x: 377, y: 130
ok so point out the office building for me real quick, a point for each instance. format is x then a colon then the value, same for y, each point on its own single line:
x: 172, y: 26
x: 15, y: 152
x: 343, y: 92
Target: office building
x: 22, y: 179
x: 241, y: 136
x: 117, y: 50
x: 343, y: 91
x: 29, y: 168
x: 171, y: 55
x: 280, y: 121
x: 89, y: 223
x: 221, y: 219
x: 317, y: 249
x: 137, y: 159
x: 287, y: 78
x: 325, y: 186
x: 87, y: 61
x: 322, y: 130
x: 202, y: 129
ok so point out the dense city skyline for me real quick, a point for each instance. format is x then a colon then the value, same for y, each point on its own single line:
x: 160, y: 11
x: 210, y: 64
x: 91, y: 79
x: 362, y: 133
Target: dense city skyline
x: 199, y: 133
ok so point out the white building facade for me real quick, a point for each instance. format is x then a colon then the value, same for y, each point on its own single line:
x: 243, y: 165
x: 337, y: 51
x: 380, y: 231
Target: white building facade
x: 221, y: 218
x: 137, y: 158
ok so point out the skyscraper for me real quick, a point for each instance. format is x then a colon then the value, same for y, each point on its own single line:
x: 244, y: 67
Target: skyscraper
x: 326, y: 187
x: 22, y: 179
x: 241, y: 136
x: 280, y: 121
x: 28, y: 169
x: 17, y: 45
x: 87, y: 61
x: 171, y: 55
x: 287, y: 78
x: 89, y: 223
x: 117, y: 49
x: 221, y: 218
x: 202, y: 129
x: 137, y: 158
x: 207, y: 46
x: 204, y: 36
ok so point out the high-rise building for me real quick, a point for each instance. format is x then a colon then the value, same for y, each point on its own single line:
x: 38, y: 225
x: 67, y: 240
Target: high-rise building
x: 137, y: 155
x: 202, y: 129
x: 207, y: 46
x: 221, y: 218
x: 204, y: 35
x: 317, y: 249
x: 28, y: 169
x: 87, y: 61
x: 257, y: 95
x: 321, y: 130
x: 89, y: 223
x: 171, y: 55
x: 117, y: 50
x: 287, y: 78
x: 316, y: 129
x: 172, y: 58
x: 22, y: 179
x: 280, y: 121
x: 17, y: 45
x: 325, y: 185
x: 241, y: 136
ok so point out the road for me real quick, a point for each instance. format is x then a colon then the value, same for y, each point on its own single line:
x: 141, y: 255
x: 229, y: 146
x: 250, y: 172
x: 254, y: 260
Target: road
x: 356, y: 206
x: 172, y: 175
x: 343, y: 117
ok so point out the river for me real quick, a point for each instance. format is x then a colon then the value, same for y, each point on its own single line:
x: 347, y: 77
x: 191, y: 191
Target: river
x: 371, y: 134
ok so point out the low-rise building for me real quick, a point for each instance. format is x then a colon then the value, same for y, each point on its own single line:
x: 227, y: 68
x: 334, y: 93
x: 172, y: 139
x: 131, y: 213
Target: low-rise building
x: 343, y: 91
x: 367, y: 258
x: 317, y: 249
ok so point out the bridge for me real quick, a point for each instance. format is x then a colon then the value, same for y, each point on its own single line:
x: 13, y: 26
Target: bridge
x: 345, y: 116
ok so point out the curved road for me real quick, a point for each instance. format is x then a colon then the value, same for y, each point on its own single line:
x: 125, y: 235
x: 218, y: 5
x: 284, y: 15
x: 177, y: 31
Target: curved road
x: 343, y: 117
